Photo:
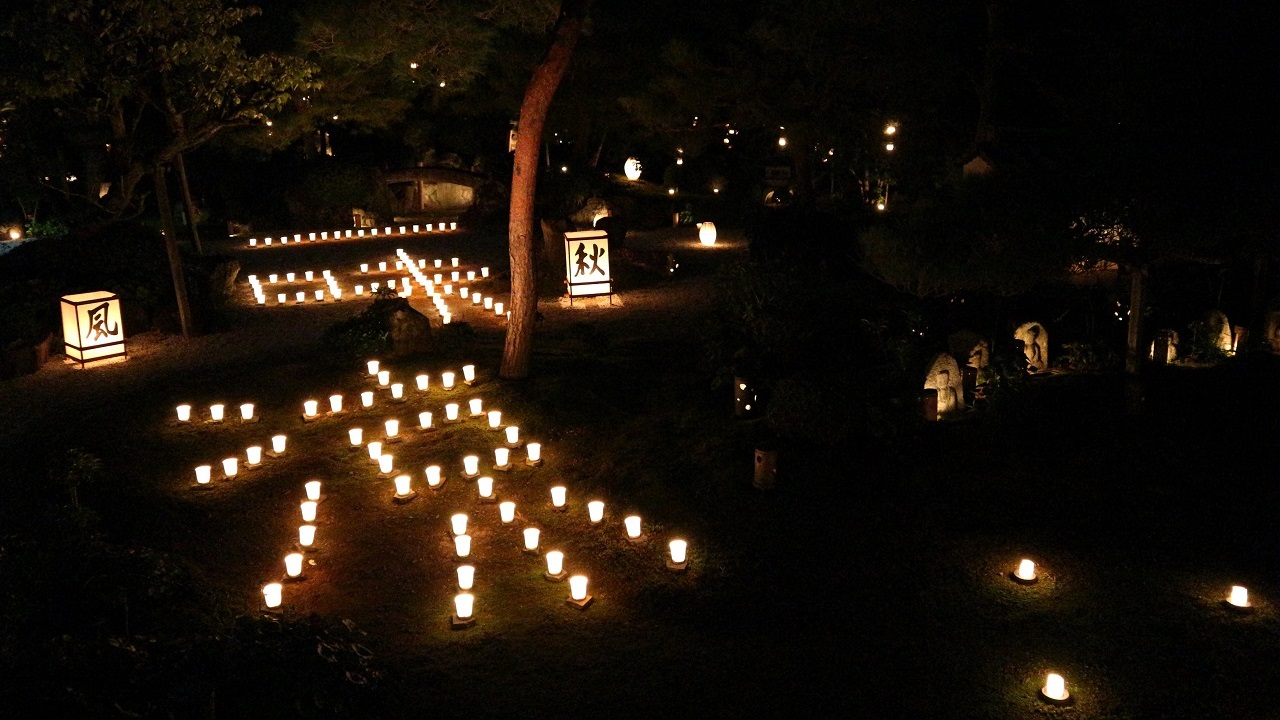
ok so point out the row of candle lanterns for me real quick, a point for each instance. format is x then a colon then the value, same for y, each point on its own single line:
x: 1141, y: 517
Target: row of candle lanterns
x: 273, y: 592
x: 358, y: 233
x: 231, y: 465
x: 217, y: 413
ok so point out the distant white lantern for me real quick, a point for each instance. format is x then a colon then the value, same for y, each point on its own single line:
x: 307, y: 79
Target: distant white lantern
x: 306, y: 535
x: 384, y: 378
x: 229, y: 467
x: 300, y: 296
x: 288, y: 277
x: 313, y: 490
x: 468, y: 372
x: 484, y: 271
x: 397, y: 391
x: 1055, y: 689
x: 484, y: 485
x: 309, y: 510
x: 424, y: 420
x: 471, y: 275
x: 488, y: 303
x: 375, y: 450
x: 216, y: 412
x: 558, y: 496
x: 462, y: 545
x: 310, y: 408
x: 578, y: 588
x: 475, y: 405
x: 282, y: 298
x: 555, y: 563
x: 707, y: 233
x: 464, y: 605
x: 271, y: 594
x: 246, y: 411
x: 422, y: 382
x: 1239, y: 596
x: 433, y: 476
x: 464, y: 291
x: 319, y: 296
x: 513, y: 435
x: 507, y: 512
x: 273, y: 278
x: 595, y: 511
x: 385, y: 463
x: 501, y: 458
x: 204, y: 473
x: 534, y: 451
x: 293, y: 565
x: 359, y: 289
x: 446, y: 379
x: 278, y: 443
x: 1026, y: 571
x: 403, y: 488
x: 308, y: 275
x: 458, y: 523
x: 335, y: 403
x: 393, y: 428
x: 495, y: 419
x: 382, y: 266
x: 632, y: 523
x: 451, y: 412
x: 453, y: 262
x: 184, y: 413
x: 497, y: 309
x: 357, y: 436
x: 679, y: 554
x: 366, y: 398
x: 531, y: 539
x: 253, y: 455
x: 632, y: 169
x: 466, y: 576
x: 471, y: 465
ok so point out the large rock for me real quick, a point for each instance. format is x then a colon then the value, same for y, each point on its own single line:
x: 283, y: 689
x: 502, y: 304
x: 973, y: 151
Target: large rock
x: 410, y: 332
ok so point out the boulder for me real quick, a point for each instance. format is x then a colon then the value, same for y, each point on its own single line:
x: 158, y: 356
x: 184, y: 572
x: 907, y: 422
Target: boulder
x: 410, y: 332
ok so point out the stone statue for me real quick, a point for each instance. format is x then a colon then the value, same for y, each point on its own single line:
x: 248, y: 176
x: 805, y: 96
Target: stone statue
x: 944, y: 377
x: 1219, y: 331
x: 1035, y: 345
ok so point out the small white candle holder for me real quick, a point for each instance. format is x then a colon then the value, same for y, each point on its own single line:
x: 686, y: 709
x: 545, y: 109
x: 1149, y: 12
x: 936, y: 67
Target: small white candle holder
x: 451, y: 413
x: 435, y: 478
x: 513, y: 436
x: 559, y: 498
x: 469, y: 374
x: 425, y: 422
x: 397, y: 393
x: 278, y: 443
x: 306, y: 538
x: 1025, y: 573
x: 310, y: 410
x: 578, y: 596
x: 634, y: 529
x: 555, y: 567
x: 507, y: 512
x: 534, y: 454
x: 216, y: 412
x: 476, y: 405
x: 422, y: 381
x: 595, y: 511
x: 386, y: 465
x: 335, y: 405
x: 531, y: 539
x: 678, y: 556
x: 464, y: 612
x: 471, y: 466
x: 248, y: 414
x: 484, y: 487
x: 502, y: 459
x: 366, y: 399
x: 404, y: 492
x: 253, y: 457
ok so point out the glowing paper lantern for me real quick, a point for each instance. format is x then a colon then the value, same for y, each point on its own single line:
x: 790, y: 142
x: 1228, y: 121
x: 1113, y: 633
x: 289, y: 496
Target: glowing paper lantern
x: 288, y: 277
x: 468, y: 374
x: 1026, y: 571
x: 357, y: 436
x: 424, y: 420
x: 375, y: 450
x: 204, y: 473
x: 484, y: 486
x: 488, y: 303
x: 309, y: 511
x: 382, y: 266
x: 464, y: 605
x: 513, y: 435
x: 300, y: 296
x: 246, y: 412
x: 359, y: 289
x: 501, y: 458
x: 384, y: 463
x: 507, y: 512
x: 384, y: 378
x: 632, y: 523
x: 281, y: 298
x: 471, y: 465
x: 632, y: 169
x: 531, y: 539
x: 402, y: 486
x: 335, y: 403
x: 558, y: 496
x: 595, y: 511
x: 466, y: 576
x: 707, y: 233
x: 433, y: 476
x: 534, y: 451
x: 422, y: 382
x: 1239, y: 596
x: 271, y: 594
x: 184, y: 413
x: 278, y: 443
x: 92, y: 327
x: 313, y: 490
x: 453, y: 262
x: 229, y: 467
x: 306, y: 535
x: 495, y: 419
x: 555, y: 564
x: 679, y: 555
x: 1055, y: 689
x: 272, y: 278
x: 319, y: 296
x: 310, y: 407
x: 253, y: 455
x: 366, y: 398
x: 587, y: 263
x: 578, y: 591
x: 475, y: 405
x: 293, y: 565
x: 451, y: 412
x: 216, y: 411
x: 397, y: 391
x: 458, y: 523
x: 462, y: 545
x: 446, y: 379
x: 463, y: 292
x: 393, y: 428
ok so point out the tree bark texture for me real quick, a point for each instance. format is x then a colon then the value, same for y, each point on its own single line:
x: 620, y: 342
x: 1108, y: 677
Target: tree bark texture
x: 1137, y: 299
x: 187, y: 202
x: 171, y: 246
x: 518, y: 350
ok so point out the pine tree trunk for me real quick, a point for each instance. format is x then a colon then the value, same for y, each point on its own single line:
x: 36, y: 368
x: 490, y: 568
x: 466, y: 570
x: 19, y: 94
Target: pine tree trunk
x: 171, y: 246
x: 1137, y: 299
x: 191, y: 206
x: 518, y: 351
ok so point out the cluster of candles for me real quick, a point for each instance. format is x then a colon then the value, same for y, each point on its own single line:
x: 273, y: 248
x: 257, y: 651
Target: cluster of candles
x: 437, y: 287
x: 1055, y: 686
x: 299, y: 296
x: 272, y: 593
x: 340, y: 234
x: 231, y: 465
x: 218, y: 413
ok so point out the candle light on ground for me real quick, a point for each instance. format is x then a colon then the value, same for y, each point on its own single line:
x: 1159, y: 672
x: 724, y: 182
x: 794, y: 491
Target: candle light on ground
x: 366, y: 398
x: 1026, y: 572
x: 558, y: 497
x: 1055, y: 690
x: 458, y: 523
x: 462, y: 545
x: 463, y: 611
x: 534, y: 451
x: 293, y: 566
x: 215, y: 412
x: 578, y: 596
x: 471, y: 465
x: 555, y: 566
x: 632, y: 524
x: 229, y: 467
x: 204, y: 473
x: 531, y: 539
x: 313, y: 490
x: 507, y: 512
x: 253, y: 455
x: 466, y: 576
x: 184, y: 413
x: 375, y: 450
x: 278, y: 443
x: 335, y: 403
x: 309, y: 511
x: 434, y: 479
x: 679, y: 559
x: 306, y: 536
x: 272, y: 595
x: 595, y: 511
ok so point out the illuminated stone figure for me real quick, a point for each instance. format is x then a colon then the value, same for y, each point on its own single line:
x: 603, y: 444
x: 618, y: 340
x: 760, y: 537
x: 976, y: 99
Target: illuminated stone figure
x: 1035, y: 345
x: 944, y: 377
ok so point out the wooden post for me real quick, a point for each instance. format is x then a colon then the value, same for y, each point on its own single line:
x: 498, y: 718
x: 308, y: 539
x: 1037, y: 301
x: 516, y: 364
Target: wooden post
x: 1137, y: 299
x: 171, y: 246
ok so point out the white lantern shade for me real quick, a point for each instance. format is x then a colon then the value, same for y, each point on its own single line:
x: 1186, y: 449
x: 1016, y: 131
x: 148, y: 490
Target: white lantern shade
x: 707, y: 233
x: 300, y: 296
x: 1055, y: 687
x: 422, y: 382
x: 446, y: 378
x: 463, y: 291
x: 306, y: 535
x: 382, y: 266
x: 397, y: 390
x: 253, y: 455
x: 632, y: 169
x: 385, y: 463
x: 451, y: 411
x: 204, y: 473
x: 535, y: 451
x: 531, y: 538
x: 184, y: 413
x: 453, y: 262
x: 458, y: 523
x: 595, y: 511
x: 513, y: 434
x: 246, y: 411
x: 310, y: 407
x: 319, y: 295
x: 375, y: 450
x: 1239, y: 596
x: 433, y: 475
x: 281, y: 298
x: 476, y: 406
x: 216, y: 412
x: 497, y: 309
x: 488, y: 303
x: 507, y: 512
x: 485, y: 486
x: 578, y: 587
x: 293, y: 565
x: 366, y: 398
x: 271, y: 594
x: 360, y: 291
x: 357, y: 436
x: 462, y: 545
x: 1026, y: 570
x: 471, y: 464
x: 229, y: 466
x: 558, y: 495
x: 555, y: 562
x: 424, y: 420
x: 469, y: 373
x: 402, y: 485
x: 384, y: 377
x: 313, y: 490
x: 495, y: 419
x: 466, y: 577
x: 278, y: 443
x: 632, y: 523
x: 464, y: 605
x: 484, y: 271
x: 679, y: 550
x: 309, y: 510
x: 393, y: 428
x: 335, y: 403
x: 501, y: 456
